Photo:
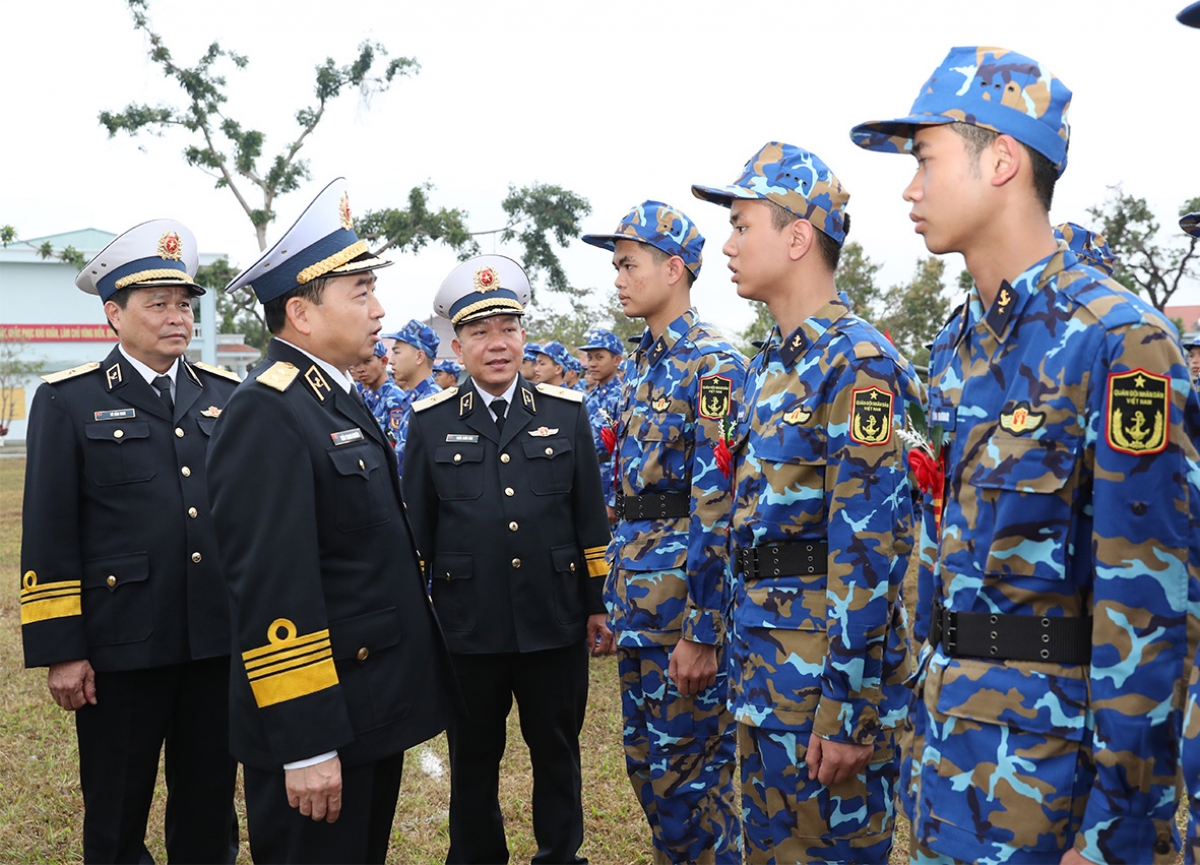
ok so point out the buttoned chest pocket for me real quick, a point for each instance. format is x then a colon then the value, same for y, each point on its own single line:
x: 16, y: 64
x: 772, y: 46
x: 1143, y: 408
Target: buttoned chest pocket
x: 550, y: 464
x: 458, y: 471
x: 118, y: 452
x: 791, y: 459
x: 662, y: 439
x: 361, y: 487
x: 1025, y: 496
x: 206, y: 425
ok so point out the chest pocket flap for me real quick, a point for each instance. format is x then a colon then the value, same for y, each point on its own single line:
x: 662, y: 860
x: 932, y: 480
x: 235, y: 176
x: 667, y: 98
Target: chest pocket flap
x: 1025, y: 464
x: 659, y: 427
x: 360, y: 461
x: 117, y: 431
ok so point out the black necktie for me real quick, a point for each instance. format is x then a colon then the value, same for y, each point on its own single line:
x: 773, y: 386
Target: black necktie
x: 163, y: 383
x: 498, y: 407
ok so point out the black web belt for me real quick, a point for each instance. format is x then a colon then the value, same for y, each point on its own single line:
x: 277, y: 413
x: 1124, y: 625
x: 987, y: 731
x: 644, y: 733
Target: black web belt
x: 652, y: 506
x: 799, y: 558
x: 1009, y: 637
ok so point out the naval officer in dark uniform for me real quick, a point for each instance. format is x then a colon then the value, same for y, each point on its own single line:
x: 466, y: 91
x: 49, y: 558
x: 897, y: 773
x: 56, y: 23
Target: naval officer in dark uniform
x: 503, y: 490
x: 121, y: 589
x: 338, y: 664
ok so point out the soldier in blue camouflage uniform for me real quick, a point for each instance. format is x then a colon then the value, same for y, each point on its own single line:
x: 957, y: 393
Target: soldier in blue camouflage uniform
x: 604, y: 353
x: 413, y: 353
x: 822, y: 530
x: 667, y: 590
x: 382, y: 396
x: 446, y: 373
x: 551, y: 364
x: 1066, y: 561
x: 1090, y: 248
x: 529, y: 360
x: 574, y: 374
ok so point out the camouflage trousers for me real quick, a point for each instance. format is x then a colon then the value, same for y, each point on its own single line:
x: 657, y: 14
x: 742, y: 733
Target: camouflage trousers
x: 788, y: 818
x: 680, y: 753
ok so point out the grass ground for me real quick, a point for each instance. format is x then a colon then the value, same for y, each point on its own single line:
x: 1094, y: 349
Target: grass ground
x: 41, y: 811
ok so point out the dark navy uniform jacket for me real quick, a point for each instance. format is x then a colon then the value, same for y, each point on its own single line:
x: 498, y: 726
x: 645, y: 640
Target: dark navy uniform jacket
x: 335, y: 643
x: 512, y: 525
x: 118, y: 554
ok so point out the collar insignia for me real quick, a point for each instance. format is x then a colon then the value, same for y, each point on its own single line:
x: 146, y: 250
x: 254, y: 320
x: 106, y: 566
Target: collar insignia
x: 1021, y: 419
x: 466, y: 402
x: 317, y: 382
x: 113, y: 375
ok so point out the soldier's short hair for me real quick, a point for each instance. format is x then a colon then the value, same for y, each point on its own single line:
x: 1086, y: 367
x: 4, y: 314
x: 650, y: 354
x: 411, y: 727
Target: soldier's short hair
x: 659, y: 257
x: 275, y: 309
x: 831, y: 253
x: 1045, y: 174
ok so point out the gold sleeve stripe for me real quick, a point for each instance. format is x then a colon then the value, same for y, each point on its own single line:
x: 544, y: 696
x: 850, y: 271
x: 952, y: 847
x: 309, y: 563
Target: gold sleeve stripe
x: 289, y: 666
x: 56, y: 600
x: 597, y: 568
x: 594, y: 553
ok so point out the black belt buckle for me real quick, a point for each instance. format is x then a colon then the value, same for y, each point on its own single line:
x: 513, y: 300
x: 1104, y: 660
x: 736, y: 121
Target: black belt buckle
x: 747, y: 560
x: 619, y: 505
x: 943, y: 629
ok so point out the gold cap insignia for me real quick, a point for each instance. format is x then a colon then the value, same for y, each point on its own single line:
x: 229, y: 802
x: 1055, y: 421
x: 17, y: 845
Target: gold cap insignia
x: 1021, y: 419
x: 170, y: 246
x: 486, y: 279
x: 344, y: 212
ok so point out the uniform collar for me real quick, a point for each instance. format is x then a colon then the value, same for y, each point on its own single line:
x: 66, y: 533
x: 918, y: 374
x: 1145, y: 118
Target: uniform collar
x: 1012, y: 297
x: 807, y: 334
x: 146, y: 372
x: 656, y: 349
x: 337, y: 376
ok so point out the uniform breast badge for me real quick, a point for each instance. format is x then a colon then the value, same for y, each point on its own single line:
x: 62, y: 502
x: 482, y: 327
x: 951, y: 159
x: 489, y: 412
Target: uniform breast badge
x: 1021, y: 419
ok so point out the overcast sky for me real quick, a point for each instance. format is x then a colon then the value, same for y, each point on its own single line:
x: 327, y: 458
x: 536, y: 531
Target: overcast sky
x: 616, y: 102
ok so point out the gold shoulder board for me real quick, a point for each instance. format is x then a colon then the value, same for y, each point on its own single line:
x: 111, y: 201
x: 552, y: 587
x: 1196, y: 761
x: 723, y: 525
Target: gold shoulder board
x: 431, y: 401
x: 280, y: 376
x: 62, y: 375
x: 866, y: 349
x: 216, y: 370
x: 560, y: 392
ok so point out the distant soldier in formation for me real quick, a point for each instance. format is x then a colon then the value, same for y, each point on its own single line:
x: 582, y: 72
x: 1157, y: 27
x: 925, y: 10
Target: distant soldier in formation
x: 446, y: 373
x: 551, y: 364
x: 529, y: 360
x: 667, y: 591
x: 822, y: 530
x: 573, y: 378
x: 1067, y: 557
x: 413, y: 354
x: 383, y: 397
x: 604, y: 352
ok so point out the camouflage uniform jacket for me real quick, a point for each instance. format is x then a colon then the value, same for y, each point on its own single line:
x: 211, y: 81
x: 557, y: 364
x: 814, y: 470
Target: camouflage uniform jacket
x: 388, y: 404
x: 603, y: 405
x: 1071, y: 491
x: 424, y: 388
x: 679, y: 390
x: 817, y: 458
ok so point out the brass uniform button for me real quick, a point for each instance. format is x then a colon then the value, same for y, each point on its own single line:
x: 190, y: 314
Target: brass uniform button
x: 362, y: 465
x: 458, y: 458
x: 549, y: 452
x: 505, y: 458
x: 178, y: 432
x: 196, y: 557
x: 512, y: 527
x: 112, y: 580
x: 516, y: 563
x: 117, y: 433
x: 363, y: 652
x: 448, y: 576
x: 193, y: 513
x: 572, y: 566
x: 508, y: 491
x: 186, y: 472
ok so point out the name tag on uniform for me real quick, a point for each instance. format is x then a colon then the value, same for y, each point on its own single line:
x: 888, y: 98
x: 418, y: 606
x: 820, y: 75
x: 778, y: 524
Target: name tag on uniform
x: 346, y: 436
x: 115, y: 414
x: 941, y: 415
x: 451, y: 437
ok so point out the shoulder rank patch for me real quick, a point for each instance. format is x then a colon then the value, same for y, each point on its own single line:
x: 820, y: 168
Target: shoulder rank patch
x: 54, y: 600
x: 289, y: 666
x: 716, y: 396
x: 1139, y: 408
x: 62, y: 375
x: 560, y: 392
x: 866, y: 349
x: 280, y: 376
x: 1021, y: 419
x: 216, y: 370
x: 431, y: 401
x: 871, y: 416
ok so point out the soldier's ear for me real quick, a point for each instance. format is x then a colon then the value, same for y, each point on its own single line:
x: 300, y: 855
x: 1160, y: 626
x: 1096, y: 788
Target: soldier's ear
x: 801, y: 239
x: 297, y: 315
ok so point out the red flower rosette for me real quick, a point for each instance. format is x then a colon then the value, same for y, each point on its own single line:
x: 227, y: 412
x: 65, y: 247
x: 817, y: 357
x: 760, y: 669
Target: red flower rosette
x: 724, y: 457
x: 608, y: 436
x: 931, y: 479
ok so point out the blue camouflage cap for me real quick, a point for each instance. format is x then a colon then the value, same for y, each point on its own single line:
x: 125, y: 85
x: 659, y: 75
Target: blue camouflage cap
x: 532, y: 350
x: 380, y: 349
x: 448, y: 366
x: 419, y: 335
x: 1091, y: 248
x: 1191, y: 222
x: 661, y: 226
x: 796, y: 180
x: 573, y: 363
x: 992, y: 88
x: 605, y: 339
x: 1190, y: 15
x: 557, y: 352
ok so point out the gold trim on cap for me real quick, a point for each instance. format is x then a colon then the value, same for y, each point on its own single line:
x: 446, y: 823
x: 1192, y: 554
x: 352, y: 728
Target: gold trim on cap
x: 499, y: 303
x: 321, y: 268
x: 161, y: 273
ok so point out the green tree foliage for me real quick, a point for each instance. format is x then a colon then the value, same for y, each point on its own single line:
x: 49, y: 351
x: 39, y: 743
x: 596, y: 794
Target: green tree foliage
x: 67, y: 254
x: 1148, y: 265
x: 913, y: 313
